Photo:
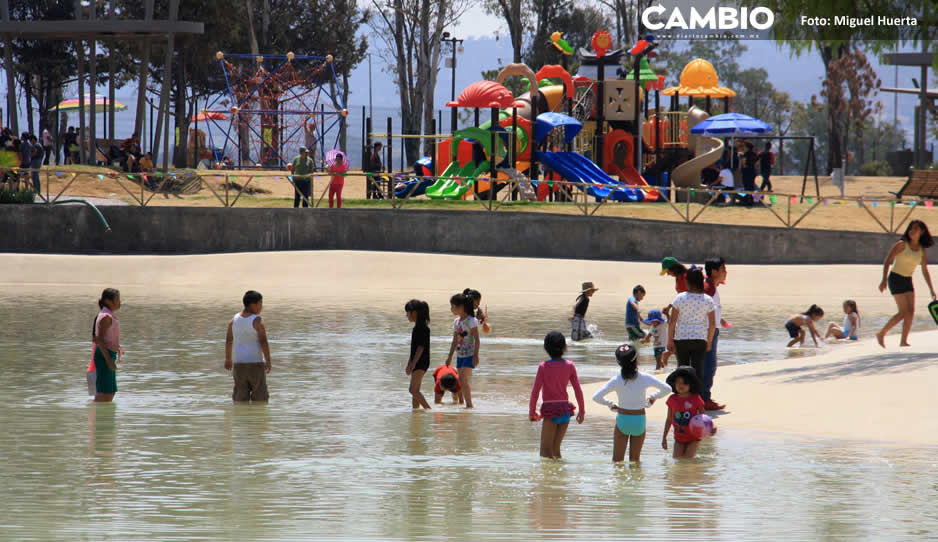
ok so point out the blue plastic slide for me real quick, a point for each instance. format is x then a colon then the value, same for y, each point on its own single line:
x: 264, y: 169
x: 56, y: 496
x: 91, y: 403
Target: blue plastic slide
x: 577, y: 168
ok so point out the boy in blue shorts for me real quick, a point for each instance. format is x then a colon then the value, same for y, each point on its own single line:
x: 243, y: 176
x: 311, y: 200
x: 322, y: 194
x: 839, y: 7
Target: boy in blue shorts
x: 658, y: 332
x: 633, y: 316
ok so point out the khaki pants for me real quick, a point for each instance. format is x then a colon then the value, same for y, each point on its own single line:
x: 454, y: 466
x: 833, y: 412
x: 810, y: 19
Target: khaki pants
x: 250, y: 382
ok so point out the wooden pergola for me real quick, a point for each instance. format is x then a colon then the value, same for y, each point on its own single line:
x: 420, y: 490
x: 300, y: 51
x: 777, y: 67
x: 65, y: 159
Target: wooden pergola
x: 89, y: 27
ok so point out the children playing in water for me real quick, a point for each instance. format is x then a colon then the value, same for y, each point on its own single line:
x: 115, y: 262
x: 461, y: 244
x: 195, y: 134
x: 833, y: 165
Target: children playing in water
x: 106, y: 338
x: 446, y: 380
x: 630, y: 386
x: 247, y: 353
x: 633, y: 316
x: 481, y: 315
x: 683, y: 405
x: 807, y: 318
x: 658, y: 332
x: 551, y: 382
x: 465, y: 343
x: 418, y: 312
x: 851, y: 324
x: 578, y: 315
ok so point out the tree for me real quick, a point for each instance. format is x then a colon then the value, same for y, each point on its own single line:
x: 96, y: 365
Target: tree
x: 411, y: 30
x: 721, y: 53
x: 577, y: 23
x: 41, y: 67
x: 516, y: 18
x: 848, y: 90
x: 834, y: 41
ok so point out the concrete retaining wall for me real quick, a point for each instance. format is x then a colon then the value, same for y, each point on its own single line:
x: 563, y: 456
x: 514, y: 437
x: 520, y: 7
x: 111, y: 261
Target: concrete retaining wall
x: 189, y: 230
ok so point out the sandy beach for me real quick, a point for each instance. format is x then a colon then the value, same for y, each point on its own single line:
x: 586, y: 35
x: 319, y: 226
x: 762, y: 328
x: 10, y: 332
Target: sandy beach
x: 855, y: 391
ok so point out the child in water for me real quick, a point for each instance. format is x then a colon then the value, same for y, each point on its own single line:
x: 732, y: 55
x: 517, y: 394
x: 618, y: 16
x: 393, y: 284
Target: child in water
x: 658, y: 332
x: 630, y: 387
x: 793, y: 325
x: 418, y: 312
x: 578, y: 315
x: 247, y: 353
x: 851, y: 323
x: 633, y: 315
x: 683, y: 405
x: 446, y: 380
x: 552, y: 378
x: 465, y: 343
x: 106, y: 338
x: 481, y: 315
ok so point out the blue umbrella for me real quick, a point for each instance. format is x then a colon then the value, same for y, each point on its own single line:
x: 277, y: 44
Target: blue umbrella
x: 731, y: 125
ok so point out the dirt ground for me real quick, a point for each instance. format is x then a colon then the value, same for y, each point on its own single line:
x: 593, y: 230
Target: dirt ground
x: 272, y: 189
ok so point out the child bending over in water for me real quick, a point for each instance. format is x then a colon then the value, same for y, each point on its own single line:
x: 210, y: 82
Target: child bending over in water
x: 418, y: 312
x: 552, y: 378
x: 793, y: 325
x: 447, y: 380
x: 851, y: 323
x: 465, y: 342
x: 683, y: 405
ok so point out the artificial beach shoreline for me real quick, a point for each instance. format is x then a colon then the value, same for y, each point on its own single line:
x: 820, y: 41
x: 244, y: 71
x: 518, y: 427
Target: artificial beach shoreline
x: 853, y: 391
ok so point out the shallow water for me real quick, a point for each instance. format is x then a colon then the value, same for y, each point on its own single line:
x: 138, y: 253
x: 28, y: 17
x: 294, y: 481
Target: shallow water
x: 339, y: 454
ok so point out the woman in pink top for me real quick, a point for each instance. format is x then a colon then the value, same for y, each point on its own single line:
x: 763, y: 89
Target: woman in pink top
x: 337, y: 169
x: 107, y: 348
x: 552, y: 377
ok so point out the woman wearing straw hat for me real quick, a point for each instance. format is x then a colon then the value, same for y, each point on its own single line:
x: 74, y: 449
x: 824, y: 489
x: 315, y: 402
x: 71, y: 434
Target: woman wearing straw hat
x: 578, y: 316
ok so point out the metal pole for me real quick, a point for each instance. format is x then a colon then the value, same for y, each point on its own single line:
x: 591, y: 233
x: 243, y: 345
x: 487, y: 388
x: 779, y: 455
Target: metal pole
x: 366, y: 137
x: 601, y: 111
x: 93, y: 84
x: 82, y: 146
x: 371, y: 110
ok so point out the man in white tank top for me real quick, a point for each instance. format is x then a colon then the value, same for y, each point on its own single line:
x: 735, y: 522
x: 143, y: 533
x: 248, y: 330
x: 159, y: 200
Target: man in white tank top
x: 247, y: 353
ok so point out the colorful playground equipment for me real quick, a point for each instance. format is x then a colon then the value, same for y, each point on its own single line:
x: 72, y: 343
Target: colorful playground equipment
x: 595, y: 132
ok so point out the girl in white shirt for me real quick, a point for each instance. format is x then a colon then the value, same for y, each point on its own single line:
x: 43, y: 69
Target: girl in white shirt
x: 630, y: 386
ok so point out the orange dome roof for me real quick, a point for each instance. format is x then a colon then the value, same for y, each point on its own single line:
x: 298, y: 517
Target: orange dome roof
x: 484, y: 94
x: 699, y: 79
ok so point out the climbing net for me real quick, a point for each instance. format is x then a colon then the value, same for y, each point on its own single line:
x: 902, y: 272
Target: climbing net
x: 270, y: 106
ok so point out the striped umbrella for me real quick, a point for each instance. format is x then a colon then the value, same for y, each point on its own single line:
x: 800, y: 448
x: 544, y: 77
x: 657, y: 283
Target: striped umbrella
x: 101, y: 105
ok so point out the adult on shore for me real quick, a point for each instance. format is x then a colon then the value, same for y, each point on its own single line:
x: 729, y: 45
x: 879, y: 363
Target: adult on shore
x: 47, y: 145
x: 375, y: 167
x: 715, y: 269
x: 749, y: 160
x: 35, y: 162
x: 766, y: 159
x: 907, y: 253
x: 692, y: 323
x: 302, y: 168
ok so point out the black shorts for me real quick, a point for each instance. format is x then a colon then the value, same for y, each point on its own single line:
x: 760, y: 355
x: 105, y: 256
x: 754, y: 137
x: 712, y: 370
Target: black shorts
x: 794, y: 330
x: 422, y: 365
x: 899, y: 284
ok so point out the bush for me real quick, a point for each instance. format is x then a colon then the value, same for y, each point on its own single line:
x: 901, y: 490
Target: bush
x: 876, y: 168
x: 24, y: 195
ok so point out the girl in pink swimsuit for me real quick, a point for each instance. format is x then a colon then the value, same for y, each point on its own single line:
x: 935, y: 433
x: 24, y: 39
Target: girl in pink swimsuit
x: 552, y: 377
x: 107, y: 349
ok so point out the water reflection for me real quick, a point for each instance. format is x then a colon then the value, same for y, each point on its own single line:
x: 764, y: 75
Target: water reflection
x: 339, y: 453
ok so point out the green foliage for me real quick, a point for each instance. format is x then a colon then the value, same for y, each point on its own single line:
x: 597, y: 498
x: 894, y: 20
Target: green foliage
x: 721, y: 53
x: 577, y: 22
x: 876, y: 168
x: 23, y: 195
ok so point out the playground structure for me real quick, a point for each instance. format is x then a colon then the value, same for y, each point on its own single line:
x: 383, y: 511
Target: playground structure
x: 603, y: 136
x: 273, y: 104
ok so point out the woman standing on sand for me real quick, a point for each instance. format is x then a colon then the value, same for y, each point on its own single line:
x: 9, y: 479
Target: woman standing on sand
x: 907, y: 253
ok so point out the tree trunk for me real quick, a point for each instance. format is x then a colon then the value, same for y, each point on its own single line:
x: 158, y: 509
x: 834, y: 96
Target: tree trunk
x: 28, y: 88
x: 834, y: 155
x: 252, y: 34
x: 180, y: 153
